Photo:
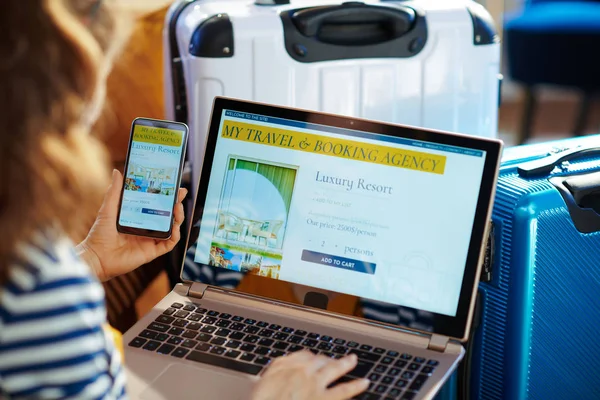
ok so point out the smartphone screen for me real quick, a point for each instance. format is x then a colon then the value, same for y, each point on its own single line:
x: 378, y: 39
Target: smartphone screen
x: 152, y: 176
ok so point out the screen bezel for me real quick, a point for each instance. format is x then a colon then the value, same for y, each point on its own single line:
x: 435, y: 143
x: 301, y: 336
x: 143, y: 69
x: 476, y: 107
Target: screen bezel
x: 456, y: 327
x: 155, y: 123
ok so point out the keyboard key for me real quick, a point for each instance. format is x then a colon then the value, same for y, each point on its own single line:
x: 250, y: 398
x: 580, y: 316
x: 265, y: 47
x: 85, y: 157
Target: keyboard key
x: 280, y: 336
x: 190, y: 344
x: 381, y: 369
x: 310, y: 343
x: 262, y: 360
x: 200, y: 310
x: 414, y: 366
x: 157, y: 326
x: 277, y: 353
x: 362, y: 369
x: 251, y: 339
x: 400, y: 363
x: 169, y: 311
x: 194, y: 317
x: 179, y: 352
x: 232, y: 353
x: 148, y: 334
x: 194, y: 326
x: 326, y: 338
x: 365, y: 355
x: 262, y: 324
x: 203, y: 337
x: 427, y: 370
x: 203, y: 347
x: 223, y: 323
x: 237, y: 318
x: 295, y: 339
x: 387, y: 360
x: 151, y: 345
x: 189, y: 334
x: 395, y: 392
x: 180, y: 323
x: 224, y: 316
x: 266, y: 333
x: 161, y: 337
x: 224, y: 362
x: 287, y: 330
x: 165, y: 349
x: 223, y: 332
x: 218, y: 341
x: 175, y: 331
x: 418, y: 382
x: 275, y: 327
x: 340, y: 350
x: 237, y: 335
x: 209, y: 320
x: 328, y: 354
x: 387, y: 380
x: 325, y: 346
x: 401, y: 383
x: 374, y: 377
x: 280, y: 345
x: 175, y: 340
x: 314, y: 351
x: 266, y: 342
x: 381, y: 389
x: 368, y: 396
x: 263, y: 351
x: 339, y: 341
x: 165, y: 319
x: 406, y: 356
x: 218, y: 350
x: 236, y: 326
x: 233, y: 344
x: 252, y: 330
x: 420, y: 360
x: 212, y: 313
x: 182, y: 314
x: 352, y: 345
x: 313, y: 335
x: 294, y: 348
x: 394, y: 372
x: 379, y: 350
x: 366, y: 347
x: 176, y: 305
x: 208, y: 329
x: 189, y: 307
x: 250, y: 321
x: 247, y: 357
x: 407, y: 375
x: 301, y: 333
x: 392, y: 353
x: 247, y: 347
x: 433, y: 363
x: 408, y: 396
x: 137, y: 342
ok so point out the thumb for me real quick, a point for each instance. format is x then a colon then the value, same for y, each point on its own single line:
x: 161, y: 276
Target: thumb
x: 111, y: 198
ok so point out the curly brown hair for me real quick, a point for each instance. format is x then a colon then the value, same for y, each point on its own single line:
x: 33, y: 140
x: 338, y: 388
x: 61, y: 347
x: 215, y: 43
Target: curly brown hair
x: 55, y: 56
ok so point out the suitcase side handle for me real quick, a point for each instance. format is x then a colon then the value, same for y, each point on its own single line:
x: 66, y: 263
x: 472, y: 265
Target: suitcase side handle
x: 544, y: 166
x: 354, y: 23
x: 581, y: 195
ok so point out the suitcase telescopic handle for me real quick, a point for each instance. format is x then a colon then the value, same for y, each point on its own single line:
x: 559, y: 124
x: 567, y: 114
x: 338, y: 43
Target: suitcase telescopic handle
x: 353, y: 23
x: 544, y: 166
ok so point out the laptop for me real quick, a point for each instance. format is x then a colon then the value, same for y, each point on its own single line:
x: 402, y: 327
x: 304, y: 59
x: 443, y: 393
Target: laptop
x: 322, y: 232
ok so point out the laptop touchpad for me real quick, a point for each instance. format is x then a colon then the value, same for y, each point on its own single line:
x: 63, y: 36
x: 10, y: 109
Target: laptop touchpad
x: 179, y: 381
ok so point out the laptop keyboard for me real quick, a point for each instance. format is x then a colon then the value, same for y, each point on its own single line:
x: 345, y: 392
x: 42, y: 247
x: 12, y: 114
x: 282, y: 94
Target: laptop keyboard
x: 242, y: 344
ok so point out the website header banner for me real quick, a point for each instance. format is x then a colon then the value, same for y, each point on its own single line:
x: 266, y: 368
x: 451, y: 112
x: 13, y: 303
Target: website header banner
x: 325, y: 145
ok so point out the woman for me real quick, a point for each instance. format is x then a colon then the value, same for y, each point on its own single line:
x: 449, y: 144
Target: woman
x: 54, y: 60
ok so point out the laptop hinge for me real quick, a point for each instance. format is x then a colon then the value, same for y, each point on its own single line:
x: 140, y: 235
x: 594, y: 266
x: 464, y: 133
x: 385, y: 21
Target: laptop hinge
x: 197, y: 290
x: 438, y: 343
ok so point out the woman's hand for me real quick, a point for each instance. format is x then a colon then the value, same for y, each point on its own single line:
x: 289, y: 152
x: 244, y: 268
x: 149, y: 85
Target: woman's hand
x: 111, y: 253
x: 305, y: 376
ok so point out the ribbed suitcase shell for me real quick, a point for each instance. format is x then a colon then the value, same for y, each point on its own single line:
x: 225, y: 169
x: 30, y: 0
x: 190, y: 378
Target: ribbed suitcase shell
x: 541, y: 309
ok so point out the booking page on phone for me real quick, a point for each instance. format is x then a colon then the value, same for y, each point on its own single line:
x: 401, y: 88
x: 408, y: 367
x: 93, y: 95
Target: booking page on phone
x: 151, y: 178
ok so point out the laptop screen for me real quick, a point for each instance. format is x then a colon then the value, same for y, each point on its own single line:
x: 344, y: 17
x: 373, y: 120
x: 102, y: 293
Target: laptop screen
x: 388, y: 219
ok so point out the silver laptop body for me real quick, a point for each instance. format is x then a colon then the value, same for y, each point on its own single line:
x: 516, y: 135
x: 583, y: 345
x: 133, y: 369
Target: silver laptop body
x: 321, y: 232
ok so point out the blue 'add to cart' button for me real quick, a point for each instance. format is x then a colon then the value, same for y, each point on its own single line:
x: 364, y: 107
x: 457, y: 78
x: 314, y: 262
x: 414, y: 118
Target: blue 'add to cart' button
x: 338, y: 262
x: 155, y: 212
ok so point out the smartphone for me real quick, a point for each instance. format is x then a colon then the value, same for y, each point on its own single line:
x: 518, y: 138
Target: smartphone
x: 152, y: 175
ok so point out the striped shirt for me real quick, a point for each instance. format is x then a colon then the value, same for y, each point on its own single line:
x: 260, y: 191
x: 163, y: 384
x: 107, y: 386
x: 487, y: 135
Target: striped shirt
x: 53, y: 342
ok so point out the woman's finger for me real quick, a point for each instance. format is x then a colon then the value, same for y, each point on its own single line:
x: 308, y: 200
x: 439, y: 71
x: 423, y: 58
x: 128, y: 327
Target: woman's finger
x: 347, y: 390
x: 336, y: 369
x: 178, y: 214
x: 181, y: 193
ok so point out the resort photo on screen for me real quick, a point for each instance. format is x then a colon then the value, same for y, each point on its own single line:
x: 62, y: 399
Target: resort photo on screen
x: 252, y: 216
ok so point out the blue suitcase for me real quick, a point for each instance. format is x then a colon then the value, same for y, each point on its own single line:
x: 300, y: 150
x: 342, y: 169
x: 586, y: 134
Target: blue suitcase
x: 536, y: 332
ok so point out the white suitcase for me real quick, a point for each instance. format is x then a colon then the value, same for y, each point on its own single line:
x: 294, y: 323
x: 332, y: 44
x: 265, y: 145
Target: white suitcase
x: 427, y: 63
